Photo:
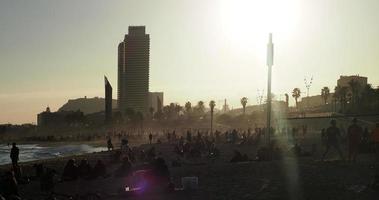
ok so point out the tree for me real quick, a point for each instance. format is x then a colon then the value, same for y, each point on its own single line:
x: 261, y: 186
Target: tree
x: 296, y: 94
x: 188, y: 107
x: 355, y: 87
x: 325, y: 92
x: 341, y: 95
x: 200, y: 107
x: 212, y: 105
x: 243, y: 103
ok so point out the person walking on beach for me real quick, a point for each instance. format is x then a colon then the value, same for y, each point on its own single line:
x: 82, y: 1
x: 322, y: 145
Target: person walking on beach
x: 14, y: 155
x: 109, y: 144
x: 332, y: 141
x: 354, y: 136
x: 150, y: 138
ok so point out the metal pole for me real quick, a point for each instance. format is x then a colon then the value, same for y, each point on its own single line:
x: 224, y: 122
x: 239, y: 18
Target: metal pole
x: 270, y: 63
x: 268, y: 129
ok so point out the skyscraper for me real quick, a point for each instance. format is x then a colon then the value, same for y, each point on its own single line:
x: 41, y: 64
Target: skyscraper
x: 133, y: 70
x: 108, y: 101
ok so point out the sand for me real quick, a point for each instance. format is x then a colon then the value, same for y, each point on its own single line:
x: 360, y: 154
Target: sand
x: 288, y: 178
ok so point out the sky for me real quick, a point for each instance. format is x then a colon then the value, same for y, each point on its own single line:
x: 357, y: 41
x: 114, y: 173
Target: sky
x: 54, y: 50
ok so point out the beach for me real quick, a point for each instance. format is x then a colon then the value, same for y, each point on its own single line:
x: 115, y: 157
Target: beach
x: 291, y: 177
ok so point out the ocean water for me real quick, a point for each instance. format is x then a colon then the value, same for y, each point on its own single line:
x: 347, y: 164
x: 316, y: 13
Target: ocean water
x: 30, y: 152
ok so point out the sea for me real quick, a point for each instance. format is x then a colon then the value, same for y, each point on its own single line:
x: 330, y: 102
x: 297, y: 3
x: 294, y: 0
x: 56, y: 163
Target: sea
x: 31, y: 152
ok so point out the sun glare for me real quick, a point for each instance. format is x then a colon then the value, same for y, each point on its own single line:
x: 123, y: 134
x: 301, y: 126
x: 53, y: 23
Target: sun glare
x: 244, y: 19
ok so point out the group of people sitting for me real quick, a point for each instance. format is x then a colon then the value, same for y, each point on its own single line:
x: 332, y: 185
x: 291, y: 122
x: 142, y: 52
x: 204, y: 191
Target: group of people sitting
x: 84, y: 170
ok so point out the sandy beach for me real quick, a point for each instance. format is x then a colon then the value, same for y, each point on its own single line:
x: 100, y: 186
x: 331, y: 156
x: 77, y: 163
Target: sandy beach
x: 288, y: 178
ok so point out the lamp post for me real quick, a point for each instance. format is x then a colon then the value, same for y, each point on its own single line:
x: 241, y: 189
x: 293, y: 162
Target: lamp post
x: 270, y: 63
x: 308, y: 86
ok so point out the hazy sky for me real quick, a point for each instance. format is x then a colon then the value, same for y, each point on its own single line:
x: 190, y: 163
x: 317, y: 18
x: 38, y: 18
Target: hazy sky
x: 54, y: 50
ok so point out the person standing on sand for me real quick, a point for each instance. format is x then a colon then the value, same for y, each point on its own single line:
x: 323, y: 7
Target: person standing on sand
x: 109, y: 144
x: 331, y: 134
x: 150, y: 138
x: 14, y: 155
x: 354, y: 133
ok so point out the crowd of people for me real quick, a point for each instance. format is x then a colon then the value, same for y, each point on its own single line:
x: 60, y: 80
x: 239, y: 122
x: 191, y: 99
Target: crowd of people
x: 188, y: 145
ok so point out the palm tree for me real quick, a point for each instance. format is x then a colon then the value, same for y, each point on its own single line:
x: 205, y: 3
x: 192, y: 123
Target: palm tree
x: 200, y: 107
x: 325, y: 92
x: 296, y: 94
x: 243, y: 103
x: 212, y: 105
x: 188, y: 107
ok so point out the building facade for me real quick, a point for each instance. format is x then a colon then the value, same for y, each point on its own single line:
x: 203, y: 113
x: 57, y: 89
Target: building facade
x: 133, y: 70
x: 156, y: 101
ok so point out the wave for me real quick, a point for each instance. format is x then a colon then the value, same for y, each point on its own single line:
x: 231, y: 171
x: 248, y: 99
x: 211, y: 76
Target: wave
x: 31, y: 152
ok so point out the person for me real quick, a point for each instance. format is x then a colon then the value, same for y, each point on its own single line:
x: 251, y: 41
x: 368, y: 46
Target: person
x: 70, y: 171
x: 109, y: 144
x: 354, y: 136
x: 9, y: 186
x: 99, y: 169
x: 125, y: 168
x: 14, y: 155
x: 150, y: 138
x: 84, y: 169
x: 323, y: 137
x: 375, y: 140
x: 161, y: 171
x: 332, y: 134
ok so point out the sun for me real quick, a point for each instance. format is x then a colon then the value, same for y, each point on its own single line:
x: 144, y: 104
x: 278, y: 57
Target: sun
x: 246, y: 20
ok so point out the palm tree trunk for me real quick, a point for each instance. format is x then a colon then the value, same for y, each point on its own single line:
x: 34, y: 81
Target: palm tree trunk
x: 211, y: 122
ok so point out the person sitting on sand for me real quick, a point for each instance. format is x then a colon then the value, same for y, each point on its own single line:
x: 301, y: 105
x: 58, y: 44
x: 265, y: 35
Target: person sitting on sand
x: 70, y: 171
x: 99, y: 170
x: 125, y: 168
x: 47, y: 180
x: 238, y: 157
x: 85, y: 169
x: 160, y: 170
x: 9, y: 186
x: 151, y: 153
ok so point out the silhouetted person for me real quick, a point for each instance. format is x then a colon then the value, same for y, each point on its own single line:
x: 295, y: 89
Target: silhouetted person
x: 70, y: 171
x: 375, y: 139
x: 47, y: 180
x: 109, y: 144
x: 354, y: 135
x: 161, y: 171
x: 332, y: 134
x: 99, y: 169
x: 14, y: 155
x: 189, y: 136
x: 238, y: 157
x: 9, y: 186
x: 124, y: 169
x: 150, y: 138
x: 84, y: 169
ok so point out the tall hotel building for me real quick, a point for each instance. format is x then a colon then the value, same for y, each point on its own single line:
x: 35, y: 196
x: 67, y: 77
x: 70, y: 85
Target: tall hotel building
x: 133, y: 70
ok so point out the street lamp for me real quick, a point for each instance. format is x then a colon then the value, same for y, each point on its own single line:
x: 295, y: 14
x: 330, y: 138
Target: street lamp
x: 270, y: 63
x: 308, y: 85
